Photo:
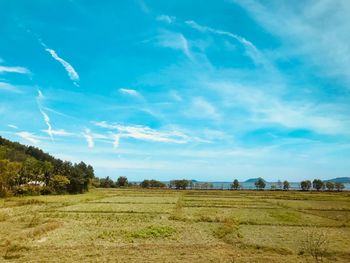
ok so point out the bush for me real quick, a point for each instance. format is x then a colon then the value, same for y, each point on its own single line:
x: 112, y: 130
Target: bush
x: 316, y: 244
x: 27, y: 190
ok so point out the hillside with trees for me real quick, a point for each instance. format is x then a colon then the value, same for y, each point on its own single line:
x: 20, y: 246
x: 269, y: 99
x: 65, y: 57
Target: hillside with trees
x: 27, y: 170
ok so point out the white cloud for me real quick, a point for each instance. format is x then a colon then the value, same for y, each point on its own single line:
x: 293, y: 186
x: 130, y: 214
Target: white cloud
x: 145, y: 133
x: 268, y: 108
x: 19, y: 70
x: 203, y: 109
x: 29, y: 137
x: 315, y: 30
x: 59, y: 132
x: 116, y: 139
x: 130, y: 92
x: 250, y: 48
x: 73, y: 75
x: 47, y: 122
x: 166, y: 18
x: 12, y: 126
x: 89, y: 138
x: 9, y: 87
x: 175, y: 41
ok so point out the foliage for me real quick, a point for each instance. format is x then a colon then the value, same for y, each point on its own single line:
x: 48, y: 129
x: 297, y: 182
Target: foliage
x: 286, y: 185
x: 27, y: 170
x: 106, y: 182
x: 235, y: 185
x: 339, y: 186
x: 317, y: 184
x: 153, y: 232
x: 179, y: 184
x: 122, y: 181
x: 330, y: 186
x: 152, y: 184
x: 260, y: 184
x: 316, y: 244
x: 305, y: 185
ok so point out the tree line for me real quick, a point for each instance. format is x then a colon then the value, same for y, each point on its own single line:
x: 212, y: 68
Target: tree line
x: 27, y: 170
x: 305, y: 185
x: 182, y: 184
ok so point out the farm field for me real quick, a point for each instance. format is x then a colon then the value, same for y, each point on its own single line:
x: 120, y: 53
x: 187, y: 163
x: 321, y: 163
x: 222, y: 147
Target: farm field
x: 135, y: 225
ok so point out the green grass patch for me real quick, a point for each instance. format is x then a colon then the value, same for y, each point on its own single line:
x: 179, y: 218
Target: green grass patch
x: 153, y: 232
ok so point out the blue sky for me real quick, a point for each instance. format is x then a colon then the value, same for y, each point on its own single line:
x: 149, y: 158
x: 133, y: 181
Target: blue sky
x: 212, y: 90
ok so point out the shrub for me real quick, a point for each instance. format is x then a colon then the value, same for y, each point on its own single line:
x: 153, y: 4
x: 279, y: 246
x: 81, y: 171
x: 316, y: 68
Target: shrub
x: 316, y: 244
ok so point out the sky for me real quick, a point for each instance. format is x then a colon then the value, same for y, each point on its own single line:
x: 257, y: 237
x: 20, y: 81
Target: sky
x: 208, y: 90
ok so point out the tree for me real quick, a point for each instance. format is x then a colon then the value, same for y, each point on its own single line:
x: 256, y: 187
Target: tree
x: 106, y: 182
x: 286, y: 185
x: 305, y: 185
x: 8, y: 170
x: 122, y: 181
x: 330, y: 186
x: 59, y: 183
x: 339, y: 186
x: 235, y: 185
x: 152, y: 184
x: 260, y: 184
x: 317, y: 184
x: 179, y: 184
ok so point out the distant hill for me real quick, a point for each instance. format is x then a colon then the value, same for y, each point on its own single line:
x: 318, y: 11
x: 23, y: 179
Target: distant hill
x: 344, y: 180
x: 253, y: 180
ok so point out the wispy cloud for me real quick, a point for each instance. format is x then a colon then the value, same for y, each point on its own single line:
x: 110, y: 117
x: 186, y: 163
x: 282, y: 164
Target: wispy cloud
x: 145, y: 133
x: 59, y: 132
x: 89, y: 138
x: 166, y: 18
x: 175, y: 41
x: 39, y: 100
x: 303, y: 32
x: 9, y: 87
x: 19, y: 70
x: 29, y: 137
x: 73, y: 75
x: 130, y: 92
x: 250, y: 48
x: 203, y: 109
x: 12, y: 126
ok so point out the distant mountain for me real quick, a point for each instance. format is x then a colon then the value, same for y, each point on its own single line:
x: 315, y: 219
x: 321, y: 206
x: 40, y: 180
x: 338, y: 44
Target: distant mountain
x: 253, y: 180
x: 344, y: 180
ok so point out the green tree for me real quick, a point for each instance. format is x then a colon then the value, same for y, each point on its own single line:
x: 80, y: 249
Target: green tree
x: 317, y: 184
x: 106, y: 182
x: 260, y: 184
x: 179, y: 184
x: 8, y: 171
x: 286, y: 185
x: 235, y: 185
x: 339, y: 186
x: 59, y: 184
x: 122, y: 181
x: 330, y: 186
x: 305, y: 185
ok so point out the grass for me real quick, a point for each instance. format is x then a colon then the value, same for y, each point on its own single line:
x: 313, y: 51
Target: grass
x: 130, y: 225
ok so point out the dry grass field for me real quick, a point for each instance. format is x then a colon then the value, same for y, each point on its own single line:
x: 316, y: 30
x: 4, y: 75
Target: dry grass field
x: 134, y: 225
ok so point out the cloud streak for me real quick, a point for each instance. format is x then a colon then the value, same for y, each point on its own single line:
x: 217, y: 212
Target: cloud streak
x: 29, y: 137
x: 89, y: 138
x: 144, y: 133
x: 250, y: 48
x: 19, y: 70
x: 72, y: 73
x: 130, y: 92
x: 175, y: 41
